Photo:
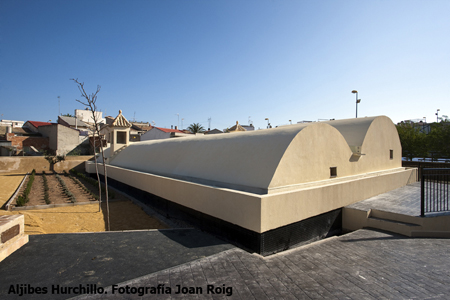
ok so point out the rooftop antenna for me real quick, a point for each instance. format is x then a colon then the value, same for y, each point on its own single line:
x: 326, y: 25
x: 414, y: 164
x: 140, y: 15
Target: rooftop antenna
x: 250, y: 122
x: 134, y: 117
x: 209, y: 123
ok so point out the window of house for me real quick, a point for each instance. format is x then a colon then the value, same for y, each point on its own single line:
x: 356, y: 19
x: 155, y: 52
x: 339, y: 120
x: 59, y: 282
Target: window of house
x: 121, y: 137
x: 333, y: 171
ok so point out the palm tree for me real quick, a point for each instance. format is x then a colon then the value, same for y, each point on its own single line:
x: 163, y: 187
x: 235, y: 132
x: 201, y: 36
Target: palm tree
x: 196, y: 128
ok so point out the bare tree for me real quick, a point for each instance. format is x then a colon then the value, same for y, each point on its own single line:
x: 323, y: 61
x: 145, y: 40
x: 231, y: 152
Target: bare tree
x: 90, y: 101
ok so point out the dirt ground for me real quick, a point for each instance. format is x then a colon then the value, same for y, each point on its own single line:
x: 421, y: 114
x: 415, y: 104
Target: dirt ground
x: 56, y: 193
x: 124, y: 215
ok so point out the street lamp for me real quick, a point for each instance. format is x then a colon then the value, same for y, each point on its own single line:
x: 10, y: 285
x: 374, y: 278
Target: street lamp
x: 357, y: 101
x: 437, y: 115
x: 59, y: 106
x: 268, y: 124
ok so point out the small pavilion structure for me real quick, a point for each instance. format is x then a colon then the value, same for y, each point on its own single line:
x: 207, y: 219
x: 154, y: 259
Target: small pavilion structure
x: 118, y: 134
x: 236, y: 128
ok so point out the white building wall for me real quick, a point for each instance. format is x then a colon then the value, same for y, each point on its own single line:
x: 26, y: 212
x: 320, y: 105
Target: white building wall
x: 86, y: 116
x: 155, y: 134
x: 15, y: 124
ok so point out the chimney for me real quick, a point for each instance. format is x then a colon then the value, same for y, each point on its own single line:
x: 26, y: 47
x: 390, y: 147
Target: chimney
x: 176, y: 127
x: 171, y: 126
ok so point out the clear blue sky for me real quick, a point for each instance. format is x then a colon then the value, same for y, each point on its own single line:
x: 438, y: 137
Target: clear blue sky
x: 226, y: 60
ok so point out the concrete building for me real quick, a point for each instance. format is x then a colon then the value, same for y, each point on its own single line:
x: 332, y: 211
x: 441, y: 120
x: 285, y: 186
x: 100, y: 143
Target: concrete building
x: 85, y: 115
x: 73, y: 123
x: 34, y: 125
x: 267, y: 190
x: 19, y: 144
x: 26, y: 140
x: 13, y: 123
x: 213, y: 131
x: 65, y: 140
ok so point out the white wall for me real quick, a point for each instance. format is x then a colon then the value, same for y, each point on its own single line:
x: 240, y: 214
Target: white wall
x: 155, y: 134
x: 86, y: 116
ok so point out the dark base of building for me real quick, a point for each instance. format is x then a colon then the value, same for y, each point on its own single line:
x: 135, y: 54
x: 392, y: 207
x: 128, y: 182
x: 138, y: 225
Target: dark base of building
x: 267, y: 243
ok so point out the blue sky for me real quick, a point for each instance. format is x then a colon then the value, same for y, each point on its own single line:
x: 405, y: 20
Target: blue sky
x: 226, y: 60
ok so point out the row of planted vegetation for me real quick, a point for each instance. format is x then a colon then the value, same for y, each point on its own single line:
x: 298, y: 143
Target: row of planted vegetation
x: 93, y: 182
x: 74, y: 175
x: 24, y: 198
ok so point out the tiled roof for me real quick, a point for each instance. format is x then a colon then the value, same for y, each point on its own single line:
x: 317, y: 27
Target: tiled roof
x: 71, y: 121
x: 120, y: 121
x: 213, y: 131
x: 169, y: 130
x: 37, y: 123
x: 237, y: 127
x: 143, y: 128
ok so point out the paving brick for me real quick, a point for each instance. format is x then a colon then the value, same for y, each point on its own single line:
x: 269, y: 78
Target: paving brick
x: 365, y: 264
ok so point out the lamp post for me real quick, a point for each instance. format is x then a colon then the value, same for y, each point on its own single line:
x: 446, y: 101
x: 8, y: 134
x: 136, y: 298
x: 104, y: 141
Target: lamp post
x: 357, y: 101
x: 268, y: 124
x: 437, y: 115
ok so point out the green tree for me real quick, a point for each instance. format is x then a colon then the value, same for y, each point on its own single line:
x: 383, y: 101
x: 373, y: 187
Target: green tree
x: 439, y: 140
x: 414, y: 143
x: 196, y: 128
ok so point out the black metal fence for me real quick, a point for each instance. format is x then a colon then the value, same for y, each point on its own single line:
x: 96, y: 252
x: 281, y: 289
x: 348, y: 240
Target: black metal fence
x: 420, y: 165
x: 435, y: 186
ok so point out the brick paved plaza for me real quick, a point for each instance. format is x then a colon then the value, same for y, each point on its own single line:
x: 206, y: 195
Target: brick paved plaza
x: 365, y: 264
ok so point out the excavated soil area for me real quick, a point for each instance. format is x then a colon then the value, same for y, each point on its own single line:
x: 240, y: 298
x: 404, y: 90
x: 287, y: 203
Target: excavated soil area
x: 123, y: 214
x: 56, y: 192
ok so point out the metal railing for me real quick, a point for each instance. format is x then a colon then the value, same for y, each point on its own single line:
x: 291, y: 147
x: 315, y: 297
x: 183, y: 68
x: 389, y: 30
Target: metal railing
x: 420, y: 165
x: 434, y: 190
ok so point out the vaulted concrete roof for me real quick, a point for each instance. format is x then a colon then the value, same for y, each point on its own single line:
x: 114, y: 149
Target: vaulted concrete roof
x: 268, y: 160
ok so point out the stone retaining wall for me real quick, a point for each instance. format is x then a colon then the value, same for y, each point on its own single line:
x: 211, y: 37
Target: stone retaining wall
x: 24, y: 164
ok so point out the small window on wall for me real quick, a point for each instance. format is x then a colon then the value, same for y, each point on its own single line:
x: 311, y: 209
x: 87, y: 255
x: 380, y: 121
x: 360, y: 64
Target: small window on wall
x: 121, y: 137
x: 391, y: 154
x: 333, y: 172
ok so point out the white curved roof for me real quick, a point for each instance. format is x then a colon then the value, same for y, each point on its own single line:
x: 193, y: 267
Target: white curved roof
x: 257, y: 161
